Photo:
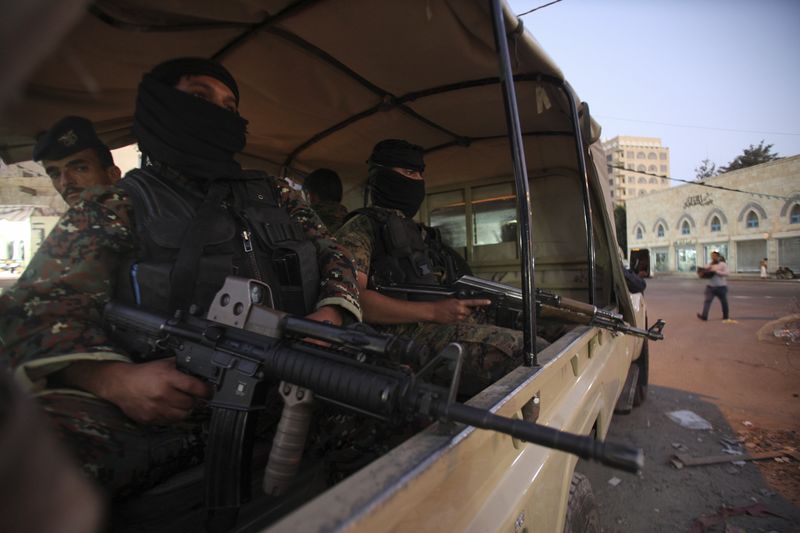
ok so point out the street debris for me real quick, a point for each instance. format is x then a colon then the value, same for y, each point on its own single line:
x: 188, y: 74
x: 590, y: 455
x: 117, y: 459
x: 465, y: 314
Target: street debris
x: 704, y: 523
x: 679, y: 460
x: 680, y: 447
x: 614, y: 481
x: 747, y: 423
x: 689, y: 419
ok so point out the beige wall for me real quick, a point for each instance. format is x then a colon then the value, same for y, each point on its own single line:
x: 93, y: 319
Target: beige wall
x: 698, y: 205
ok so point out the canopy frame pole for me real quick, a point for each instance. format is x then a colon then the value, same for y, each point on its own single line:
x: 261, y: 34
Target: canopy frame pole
x: 521, y: 179
x: 584, y: 174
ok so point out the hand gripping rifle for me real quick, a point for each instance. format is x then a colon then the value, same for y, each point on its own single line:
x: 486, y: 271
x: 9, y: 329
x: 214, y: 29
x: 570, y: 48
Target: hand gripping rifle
x: 244, y: 344
x: 507, y: 303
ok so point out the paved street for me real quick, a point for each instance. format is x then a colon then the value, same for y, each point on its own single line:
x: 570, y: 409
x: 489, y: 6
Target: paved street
x: 739, y: 377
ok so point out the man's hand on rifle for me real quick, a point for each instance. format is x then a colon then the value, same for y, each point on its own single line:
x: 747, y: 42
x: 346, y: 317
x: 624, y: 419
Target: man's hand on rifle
x: 452, y: 310
x: 155, y: 392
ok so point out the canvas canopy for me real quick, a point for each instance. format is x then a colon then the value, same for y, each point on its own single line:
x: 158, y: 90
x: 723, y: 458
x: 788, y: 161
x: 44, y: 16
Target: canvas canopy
x: 321, y: 81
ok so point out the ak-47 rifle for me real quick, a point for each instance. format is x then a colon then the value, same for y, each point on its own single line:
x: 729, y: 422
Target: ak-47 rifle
x: 243, y: 345
x: 507, y: 301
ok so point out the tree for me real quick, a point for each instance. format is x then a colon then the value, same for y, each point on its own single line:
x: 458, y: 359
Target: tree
x: 621, y: 226
x: 754, y: 155
x: 705, y: 170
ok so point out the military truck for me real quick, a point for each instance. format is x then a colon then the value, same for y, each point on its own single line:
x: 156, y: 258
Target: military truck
x: 515, y: 183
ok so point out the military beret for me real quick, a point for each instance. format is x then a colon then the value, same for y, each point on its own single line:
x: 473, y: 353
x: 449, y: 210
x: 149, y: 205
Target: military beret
x: 67, y: 136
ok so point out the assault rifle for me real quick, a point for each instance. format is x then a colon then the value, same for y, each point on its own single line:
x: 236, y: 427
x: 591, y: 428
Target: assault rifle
x: 507, y: 305
x: 244, y: 345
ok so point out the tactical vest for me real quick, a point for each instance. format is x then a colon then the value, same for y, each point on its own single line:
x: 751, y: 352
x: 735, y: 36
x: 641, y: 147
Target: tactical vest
x: 399, y: 253
x: 247, y: 234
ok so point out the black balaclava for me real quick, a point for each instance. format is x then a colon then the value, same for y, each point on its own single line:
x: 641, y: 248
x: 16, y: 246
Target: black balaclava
x: 393, y: 190
x: 189, y: 134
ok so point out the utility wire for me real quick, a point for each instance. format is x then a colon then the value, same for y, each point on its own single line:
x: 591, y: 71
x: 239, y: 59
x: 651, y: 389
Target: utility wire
x: 699, y: 127
x: 537, y: 8
x: 702, y: 183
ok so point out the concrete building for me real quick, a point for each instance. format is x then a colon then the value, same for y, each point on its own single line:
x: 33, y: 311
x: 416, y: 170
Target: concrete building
x: 681, y: 226
x: 624, y: 155
x: 29, y: 208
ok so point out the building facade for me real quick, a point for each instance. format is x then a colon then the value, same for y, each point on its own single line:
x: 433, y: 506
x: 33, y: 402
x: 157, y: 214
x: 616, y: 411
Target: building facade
x: 627, y: 158
x: 681, y: 226
x: 29, y: 208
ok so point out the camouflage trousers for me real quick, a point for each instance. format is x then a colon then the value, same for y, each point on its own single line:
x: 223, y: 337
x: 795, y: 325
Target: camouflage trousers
x: 122, y: 456
x: 490, y: 351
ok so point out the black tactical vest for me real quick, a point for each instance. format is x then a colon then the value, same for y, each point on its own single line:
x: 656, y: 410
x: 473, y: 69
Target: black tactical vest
x: 246, y: 233
x: 399, y: 254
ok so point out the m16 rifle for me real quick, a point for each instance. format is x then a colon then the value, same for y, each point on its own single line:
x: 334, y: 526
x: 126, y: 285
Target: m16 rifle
x: 244, y: 345
x: 507, y: 305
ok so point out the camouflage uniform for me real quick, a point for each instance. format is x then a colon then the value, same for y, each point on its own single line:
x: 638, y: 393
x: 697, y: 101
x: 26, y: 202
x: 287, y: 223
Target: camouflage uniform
x: 53, y: 317
x: 489, y: 351
x: 331, y: 213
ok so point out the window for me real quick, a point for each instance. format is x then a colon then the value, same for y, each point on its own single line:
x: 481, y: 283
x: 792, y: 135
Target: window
x: 640, y: 155
x: 641, y: 168
x: 609, y: 158
x: 611, y: 182
x: 794, y: 215
x: 752, y: 219
x: 663, y: 168
x: 662, y: 156
x: 447, y: 212
x: 660, y: 230
x: 629, y: 154
x: 631, y: 190
x: 653, y: 181
x: 631, y: 179
x: 638, y: 234
x: 642, y: 192
x: 715, y: 225
x: 652, y: 155
x: 651, y: 168
x: 663, y: 181
x: 685, y: 229
x: 642, y: 180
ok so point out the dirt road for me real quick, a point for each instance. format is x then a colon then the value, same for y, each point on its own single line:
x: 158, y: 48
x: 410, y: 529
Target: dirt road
x: 739, y: 377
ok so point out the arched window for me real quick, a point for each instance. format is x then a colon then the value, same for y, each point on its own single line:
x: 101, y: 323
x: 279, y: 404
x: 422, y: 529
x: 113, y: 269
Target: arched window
x: 641, y: 167
x: 640, y: 155
x: 794, y: 215
x: 685, y: 229
x: 653, y: 181
x: 651, y: 168
x: 652, y: 155
x: 660, y: 230
x: 642, y: 180
x: 715, y: 225
x: 752, y: 219
x: 638, y: 234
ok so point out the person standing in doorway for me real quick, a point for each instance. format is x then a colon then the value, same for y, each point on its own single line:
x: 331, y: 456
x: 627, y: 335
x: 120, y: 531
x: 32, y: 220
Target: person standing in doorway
x: 762, y: 265
x: 716, y: 273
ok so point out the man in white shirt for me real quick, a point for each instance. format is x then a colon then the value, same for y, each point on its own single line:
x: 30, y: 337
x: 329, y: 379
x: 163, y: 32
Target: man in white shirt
x: 717, y: 273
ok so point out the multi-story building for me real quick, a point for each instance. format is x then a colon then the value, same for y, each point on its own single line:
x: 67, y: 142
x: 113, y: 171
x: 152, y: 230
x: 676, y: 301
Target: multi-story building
x: 747, y: 215
x: 636, y: 166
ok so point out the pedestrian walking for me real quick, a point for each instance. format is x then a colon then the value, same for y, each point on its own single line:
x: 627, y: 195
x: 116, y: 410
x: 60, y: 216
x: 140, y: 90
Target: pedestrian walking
x: 762, y: 265
x: 716, y: 273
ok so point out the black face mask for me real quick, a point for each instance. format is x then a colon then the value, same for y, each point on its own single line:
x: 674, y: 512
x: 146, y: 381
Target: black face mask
x: 394, y: 191
x: 187, y: 133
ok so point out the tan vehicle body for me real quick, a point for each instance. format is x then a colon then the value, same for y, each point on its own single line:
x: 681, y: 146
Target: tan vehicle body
x: 322, y: 82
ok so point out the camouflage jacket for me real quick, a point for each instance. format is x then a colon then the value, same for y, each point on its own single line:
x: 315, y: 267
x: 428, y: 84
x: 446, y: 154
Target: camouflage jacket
x: 358, y: 236
x: 331, y: 213
x: 53, y: 315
